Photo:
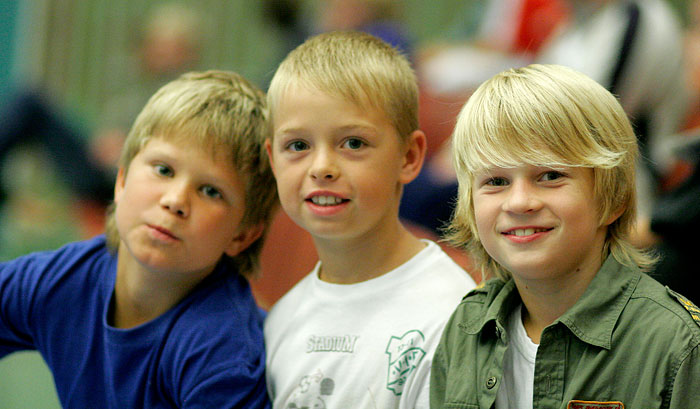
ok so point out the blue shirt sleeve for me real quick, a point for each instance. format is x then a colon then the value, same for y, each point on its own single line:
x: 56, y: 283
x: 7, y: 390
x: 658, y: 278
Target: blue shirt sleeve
x: 18, y: 282
x: 239, y: 386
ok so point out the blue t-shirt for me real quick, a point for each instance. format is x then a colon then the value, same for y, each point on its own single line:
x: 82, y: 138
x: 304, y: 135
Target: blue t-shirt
x: 205, y: 352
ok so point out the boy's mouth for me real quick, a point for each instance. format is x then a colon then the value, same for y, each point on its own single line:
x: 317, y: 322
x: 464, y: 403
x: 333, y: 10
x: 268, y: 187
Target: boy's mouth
x: 526, y: 232
x: 326, y: 200
x: 163, y: 232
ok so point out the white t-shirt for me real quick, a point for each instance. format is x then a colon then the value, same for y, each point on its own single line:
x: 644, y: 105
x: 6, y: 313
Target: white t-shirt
x: 364, y: 345
x: 518, y: 366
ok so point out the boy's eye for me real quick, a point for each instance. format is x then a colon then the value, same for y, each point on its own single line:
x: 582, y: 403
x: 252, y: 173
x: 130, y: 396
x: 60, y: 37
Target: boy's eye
x: 163, y: 170
x: 297, y: 146
x: 212, y: 192
x: 497, y: 181
x: 551, y: 175
x: 353, y: 143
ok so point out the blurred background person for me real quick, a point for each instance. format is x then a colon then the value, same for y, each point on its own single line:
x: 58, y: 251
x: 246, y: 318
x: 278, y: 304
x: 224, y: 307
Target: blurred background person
x: 168, y: 44
x: 635, y: 49
x: 675, y: 214
x: 381, y: 18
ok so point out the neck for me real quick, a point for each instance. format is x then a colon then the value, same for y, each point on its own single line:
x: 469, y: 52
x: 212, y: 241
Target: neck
x: 539, y: 313
x: 360, y: 259
x: 141, y: 295
x: 544, y: 301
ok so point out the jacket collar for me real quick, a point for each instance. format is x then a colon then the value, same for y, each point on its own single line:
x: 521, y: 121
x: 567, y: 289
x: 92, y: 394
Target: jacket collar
x: 497, y: 299
x: 594, y: 316
x: 592, y: 319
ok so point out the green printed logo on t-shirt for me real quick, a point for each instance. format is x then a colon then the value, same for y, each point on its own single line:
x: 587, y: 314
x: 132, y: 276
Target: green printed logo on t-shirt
x: 405, y: 353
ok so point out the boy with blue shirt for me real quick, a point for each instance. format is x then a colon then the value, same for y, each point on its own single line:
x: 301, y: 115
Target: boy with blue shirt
x: 359, y: 331
x: 159, y: 314
x: 545, y: 159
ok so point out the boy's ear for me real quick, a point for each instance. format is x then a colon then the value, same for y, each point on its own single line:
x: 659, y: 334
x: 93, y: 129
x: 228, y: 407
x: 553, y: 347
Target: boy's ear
x: 614, y: 215
x: 244, y: 239
x: 119, y: 184
x: 268, y: 148
x: 414, y: 156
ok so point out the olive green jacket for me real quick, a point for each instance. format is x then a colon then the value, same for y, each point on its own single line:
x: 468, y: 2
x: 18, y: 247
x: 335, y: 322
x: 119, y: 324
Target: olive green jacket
x: 627, y: 341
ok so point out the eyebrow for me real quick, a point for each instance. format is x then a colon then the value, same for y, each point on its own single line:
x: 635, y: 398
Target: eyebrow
x: 343, y: 128
x: 356, y: 127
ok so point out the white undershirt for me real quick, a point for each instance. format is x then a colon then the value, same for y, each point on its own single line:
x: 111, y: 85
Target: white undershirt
x: 518, y: 366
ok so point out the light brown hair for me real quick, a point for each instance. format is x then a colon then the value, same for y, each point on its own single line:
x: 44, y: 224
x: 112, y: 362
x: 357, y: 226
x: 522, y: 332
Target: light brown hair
x: 223, y: 113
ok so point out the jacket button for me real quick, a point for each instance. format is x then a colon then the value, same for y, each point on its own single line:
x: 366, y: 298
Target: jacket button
x: 491, y: 382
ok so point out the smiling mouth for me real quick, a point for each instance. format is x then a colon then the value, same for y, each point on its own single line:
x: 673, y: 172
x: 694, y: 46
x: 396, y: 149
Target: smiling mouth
x: 327, y: 200
x: 525, y: 232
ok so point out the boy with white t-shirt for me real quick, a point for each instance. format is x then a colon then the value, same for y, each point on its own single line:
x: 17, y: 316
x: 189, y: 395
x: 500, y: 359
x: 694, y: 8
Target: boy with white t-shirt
x: 360, y: 330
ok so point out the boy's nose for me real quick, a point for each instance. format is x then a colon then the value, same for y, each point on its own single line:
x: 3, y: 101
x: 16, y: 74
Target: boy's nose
x: 176, y: 200
x: 323, y: 167
x: 521, y: 198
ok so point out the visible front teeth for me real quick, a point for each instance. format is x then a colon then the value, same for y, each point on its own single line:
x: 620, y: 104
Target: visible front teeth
x: 526, y: 232
x: 326, y: 200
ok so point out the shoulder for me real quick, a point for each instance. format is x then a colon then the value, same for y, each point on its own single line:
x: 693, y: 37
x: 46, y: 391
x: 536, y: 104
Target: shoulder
x: 294, y: 296
x: 466, y: 331
x: 53, y: 292
x: 477, y: 304
x: 692, y: 310
x: 439, y: 256
x: 430, y: 284
x: 222, y: 308
x: 226, y: 337
x: 288, y: 305
x: 655, y: 306
x: 91, y: 255
x: 215, y: 356
x: 75, y: 258
x: 437, y: 264
x: 70, y: 253
x: 484, y: 292
x: 215, y: 329
x: 226, y: 302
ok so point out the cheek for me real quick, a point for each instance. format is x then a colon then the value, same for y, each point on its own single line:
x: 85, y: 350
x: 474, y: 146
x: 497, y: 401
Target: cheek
x: 287, y: 190
x: 374, y: 191
x: 484, y: 219
x: 138, y: 194
x: 284, y: 174
x: 481, y: 214
x: 222, y: 223
x: 123, y: 217
x: 216, y: 223
x: 589, y: 221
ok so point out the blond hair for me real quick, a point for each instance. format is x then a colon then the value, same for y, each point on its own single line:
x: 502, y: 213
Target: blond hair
x: 357, y: 67
x: 551, y: 116
x: 224, y: 113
